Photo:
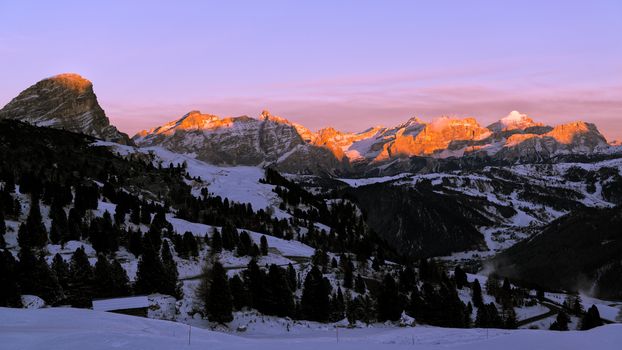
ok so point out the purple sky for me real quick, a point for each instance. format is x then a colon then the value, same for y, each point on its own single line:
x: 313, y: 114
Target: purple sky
x: 347, y: 64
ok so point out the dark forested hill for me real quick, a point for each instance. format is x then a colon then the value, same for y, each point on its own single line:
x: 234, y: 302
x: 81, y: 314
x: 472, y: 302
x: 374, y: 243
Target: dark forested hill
x: 577, y: 251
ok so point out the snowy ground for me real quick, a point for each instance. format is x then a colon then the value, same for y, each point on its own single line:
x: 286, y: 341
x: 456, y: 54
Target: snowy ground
x: 65, y: 328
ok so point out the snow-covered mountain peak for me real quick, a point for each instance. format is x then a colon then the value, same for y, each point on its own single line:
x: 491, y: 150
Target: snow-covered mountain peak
x: 513, y: 121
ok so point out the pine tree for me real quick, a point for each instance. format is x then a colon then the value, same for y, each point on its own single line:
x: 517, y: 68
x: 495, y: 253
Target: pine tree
x: 135, y: 244
x: 74, y: 225
x: 338, y: 306
x: 150, y: 274
x: 239, y: 295
x: 292, y: 280
x: 218, y: 303
x: 561, y: 322
x: 216, y: 243
x: 460, y: 277
x: 171, y: 275
x: 102, y: 278
x: 591, y: 319
x: 488, y: 317
x: 493, y: 285
x: 509, y: 317
x: 279, y: 300
x: 477, y: 298
x: 389, y: 308
x: 59, y: 221
x: 37, y: 278
x: 348, y: 274
x: 256, y: 286
x: 190, y: 244
x: 10, y: 294
x: 359, y: 285
x: 264, y: 245
x: 81, y: 286
x: 120, y: 281
x: 244, y: 244
x: 408, y: 280
x: 61, y: 269
x: 315, y: 301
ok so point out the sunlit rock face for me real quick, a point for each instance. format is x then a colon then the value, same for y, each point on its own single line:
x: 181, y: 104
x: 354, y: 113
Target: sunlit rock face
x: 264, y: 141
x: 65, y: 101
x: 273, y: 141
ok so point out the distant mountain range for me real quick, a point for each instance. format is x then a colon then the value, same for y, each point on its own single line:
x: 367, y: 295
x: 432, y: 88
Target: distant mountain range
x: 67, y: 101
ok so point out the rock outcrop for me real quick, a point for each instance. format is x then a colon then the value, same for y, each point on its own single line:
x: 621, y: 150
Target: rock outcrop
x: 65, y: 101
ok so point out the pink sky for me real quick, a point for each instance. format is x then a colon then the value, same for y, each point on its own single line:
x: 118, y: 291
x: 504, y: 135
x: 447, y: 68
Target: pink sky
x: 349, y: 64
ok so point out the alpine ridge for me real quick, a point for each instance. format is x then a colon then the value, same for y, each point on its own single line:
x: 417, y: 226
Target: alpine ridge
x: 290, y: 147
x: 65, y: 101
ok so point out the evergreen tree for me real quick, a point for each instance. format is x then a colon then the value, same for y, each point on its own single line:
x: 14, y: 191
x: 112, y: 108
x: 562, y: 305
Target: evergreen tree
x: 493, y: 285
x: 61, y: 269
x: 408, y: 280
x: 338, y: 306
x: 59, y: 221
x: 81, y: 285
x: 254, y: 251
x: 477, y: 298
x: 561, y: 322
x: 230, y: 236
x: 488, y: 317
x: 348, y: 274
x: 10, y: 295
x: 460, y: 277
x: 32, y: 234
x: 120, y: 280
x: 264, y: 245
x: 190, y: 244
x: 102, y: 278
x: 37, y: 278
x: 509, y: 317
x: 315, y: 301
x: 218, y: 304
x: 591, y: 319
x: 244, y: 244
x: 74, y: 225
x: 135, y: 244
x: 256, y: 285
x: 279, y: 300
x: 55, y: 233
x: 171, y: 275
x: 359, y: 285
x: 150, y: 275
x: 389, y: 308
x: 239, y: 295
x: 292, y: 280
x: 154, y: 235
x: 216, y: 243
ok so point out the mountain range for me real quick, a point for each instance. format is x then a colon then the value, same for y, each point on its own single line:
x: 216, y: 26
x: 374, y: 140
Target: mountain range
x: 67, y: 101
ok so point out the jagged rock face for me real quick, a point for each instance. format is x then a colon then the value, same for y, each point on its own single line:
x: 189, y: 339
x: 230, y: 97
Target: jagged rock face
x: 571, y: 138
x: 411, y: 146
x: 65, y: 101
x: 268, y: 140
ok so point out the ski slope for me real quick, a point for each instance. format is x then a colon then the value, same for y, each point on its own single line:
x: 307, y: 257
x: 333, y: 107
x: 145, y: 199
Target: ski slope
x: 69, y: 329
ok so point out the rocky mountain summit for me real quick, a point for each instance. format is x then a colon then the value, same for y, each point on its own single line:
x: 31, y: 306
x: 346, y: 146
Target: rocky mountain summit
x: 274, y: 141
x: 65, y: 101
x: 242, y: 141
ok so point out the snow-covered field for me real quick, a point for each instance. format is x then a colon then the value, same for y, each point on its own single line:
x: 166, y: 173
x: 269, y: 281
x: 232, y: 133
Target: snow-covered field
x: 65, y: 328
